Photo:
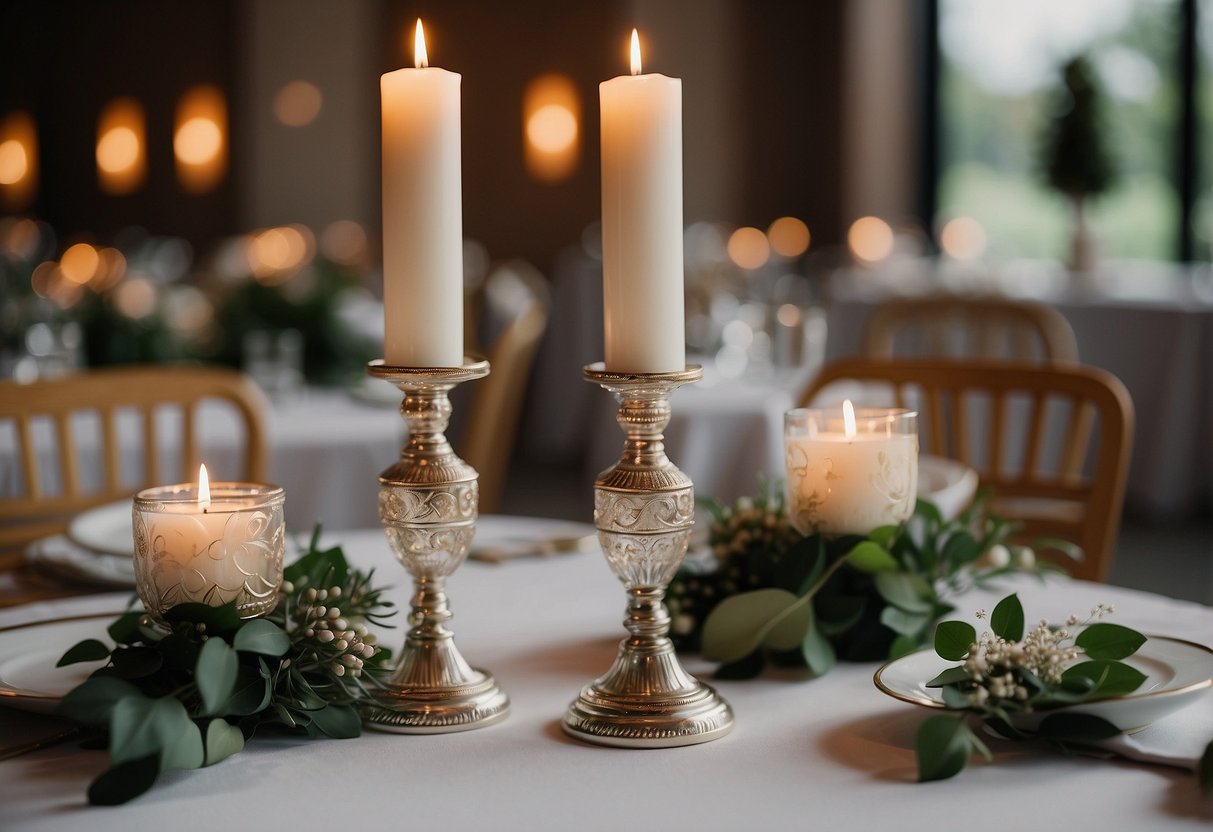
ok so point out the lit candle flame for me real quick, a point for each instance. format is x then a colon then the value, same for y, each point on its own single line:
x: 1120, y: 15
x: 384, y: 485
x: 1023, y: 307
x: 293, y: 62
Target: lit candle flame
x: 420, y: 58
x: 848, y: 419
x: 204, y: 489
x: 635, y: 52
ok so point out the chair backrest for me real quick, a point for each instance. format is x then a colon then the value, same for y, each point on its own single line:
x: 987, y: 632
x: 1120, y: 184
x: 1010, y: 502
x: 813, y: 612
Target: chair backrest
x: 495, y: 410
x: 1051, y: 441
x: 35, y: 508
x: 963, y: 327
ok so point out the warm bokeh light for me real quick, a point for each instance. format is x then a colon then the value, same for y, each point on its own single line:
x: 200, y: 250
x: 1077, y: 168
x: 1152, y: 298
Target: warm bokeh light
x: 18, y: 161
x: 551, y: 112
x: 421, y: 58
x: 870, y: 239
x: 111, y: 268
x: 789, y: 237
x: 79, y: 263
x: 121, y: 147
x: 275, y: 253
x: 789, y: 315
x: 20, y: 237
x: 963, y: 238
x: 200, y: 139
x: 298, y: 103
x: 748, y: 248
x: 14, y: 162
x: 344, y: 242
x: 135, y: 297
x: 635, y: 52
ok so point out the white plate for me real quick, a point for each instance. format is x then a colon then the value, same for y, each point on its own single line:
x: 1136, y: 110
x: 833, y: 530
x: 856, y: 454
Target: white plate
x: 63, y: 558
x: 1176, y: 672
x: 28, y: 677
x: 949, y: 484
x: 105, y: 529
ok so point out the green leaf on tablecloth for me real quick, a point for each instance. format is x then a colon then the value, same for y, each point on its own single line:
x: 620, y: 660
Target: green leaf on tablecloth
x: 140, y: 726
x: 125, y: 628
x: 252, y: 690
x: 904, y: 623
x: 942, y: 746
x: 222, y: 740
x: 216, y: 674
x: 125, y: 781
x: 746, y: 668
x: 1110, y: 678
x: 871, y: 557
x: 1076, y: 728
x: 261, y: 636
x: 905, y: 590
x: 136, y: 662
x: 92, y: 702
x: 790, y: 631
x: 739, y: 624
x: 951, y: 676
x: 819, y: 653
x: 953, y: 639
x: 337, y: 721
x: 89, y: 650
x: 1007, y: 619
x: 1109, y: 641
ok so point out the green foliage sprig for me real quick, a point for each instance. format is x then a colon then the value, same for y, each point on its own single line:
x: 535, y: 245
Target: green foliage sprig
x: 1006, y: 673
x: 192, y: 694
x: 771, y: 594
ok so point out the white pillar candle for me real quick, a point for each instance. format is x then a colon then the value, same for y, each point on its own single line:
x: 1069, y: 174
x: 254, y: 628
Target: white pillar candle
x: 422, y: 215
x: 642, y: 221
x: 849, y: 473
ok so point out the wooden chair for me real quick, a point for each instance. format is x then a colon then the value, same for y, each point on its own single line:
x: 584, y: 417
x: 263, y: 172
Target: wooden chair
x: 109, y: 394
x: 965, y: 327
x: 486, y: 440
x: 1029, y: 431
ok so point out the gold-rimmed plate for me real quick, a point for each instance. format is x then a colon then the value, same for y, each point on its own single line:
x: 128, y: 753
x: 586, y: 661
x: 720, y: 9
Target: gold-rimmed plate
x: 28, y: 652
x: 1177, y: 672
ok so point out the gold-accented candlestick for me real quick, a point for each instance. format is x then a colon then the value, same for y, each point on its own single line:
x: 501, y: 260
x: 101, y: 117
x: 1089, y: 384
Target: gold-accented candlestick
x: 644, y: 508
x: 428, y: 506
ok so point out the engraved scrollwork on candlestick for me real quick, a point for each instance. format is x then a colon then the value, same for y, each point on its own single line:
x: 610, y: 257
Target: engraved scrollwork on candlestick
x: 428, y: 507
x: 644, y: 509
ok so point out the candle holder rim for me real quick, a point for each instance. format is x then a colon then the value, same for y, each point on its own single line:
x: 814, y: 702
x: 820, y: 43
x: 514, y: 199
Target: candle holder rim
x: 860, y: 412
x: 262, y: 493
x: 474, y: 366
x: 599, y: 374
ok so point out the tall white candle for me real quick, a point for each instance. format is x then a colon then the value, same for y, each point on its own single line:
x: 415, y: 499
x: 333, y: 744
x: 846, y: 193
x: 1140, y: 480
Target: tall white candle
x: 850, y: 475
x: 422, y: 215
x: 642, y: 221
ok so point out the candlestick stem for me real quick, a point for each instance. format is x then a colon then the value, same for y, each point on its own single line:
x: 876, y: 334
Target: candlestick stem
x: 428, y: 506
x: 644, y: 508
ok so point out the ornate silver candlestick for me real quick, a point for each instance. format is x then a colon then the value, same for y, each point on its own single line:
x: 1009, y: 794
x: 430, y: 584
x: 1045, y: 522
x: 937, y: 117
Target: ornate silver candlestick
x: 428, y: 504
x: 644, y: 508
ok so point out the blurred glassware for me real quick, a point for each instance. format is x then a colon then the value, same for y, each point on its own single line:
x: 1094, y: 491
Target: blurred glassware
x: 274, y: 359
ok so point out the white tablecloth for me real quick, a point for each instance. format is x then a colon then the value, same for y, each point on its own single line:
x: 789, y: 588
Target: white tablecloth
x: 831, y: 753
x: 325, y: 448
x: 1155, y: 333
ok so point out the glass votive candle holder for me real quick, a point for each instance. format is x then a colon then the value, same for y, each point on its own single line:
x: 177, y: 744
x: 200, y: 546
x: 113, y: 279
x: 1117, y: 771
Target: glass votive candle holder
x: 850, y: 470
x: 189, y: 550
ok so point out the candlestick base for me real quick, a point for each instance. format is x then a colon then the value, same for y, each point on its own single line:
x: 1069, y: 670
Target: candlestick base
x: 428, y: 506
x: 644, y: 508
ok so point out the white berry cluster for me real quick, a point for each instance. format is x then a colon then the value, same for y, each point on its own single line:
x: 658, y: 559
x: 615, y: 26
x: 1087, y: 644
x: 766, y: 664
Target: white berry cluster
x: 349, y: 644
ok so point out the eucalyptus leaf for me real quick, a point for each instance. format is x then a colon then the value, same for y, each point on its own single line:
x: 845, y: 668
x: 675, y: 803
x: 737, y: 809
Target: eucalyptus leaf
x: 904, y: 590
x: 222, y: 740
x: 1111, y: 678
x: 790, y: 631
x: 1007, y: 619
x: 1109, y: 641
x: 953, y: 639
x: 902, y: 622
x: 951, y: 676
x: 89, y: 650
x: 818, y: 652
x: 125, y: 781
x: 215, y: 674
x: 740, y: 623
x: 141, y: 726
x: 1080, y: 728
x: 217, y: 620
x: 884, y: 535
x: 125, y: 628
x: 928, y: 512
x: 838, y: 613
x: 903, y: 646
x: 136, y: 662
x: 954, y: 698
x: 252, y: 690
x: 261, y: 636
x: 942, y: 746
x: 341, y: 722
x: 92, y: 702
x: 871, y: 557
x: 960, y: 549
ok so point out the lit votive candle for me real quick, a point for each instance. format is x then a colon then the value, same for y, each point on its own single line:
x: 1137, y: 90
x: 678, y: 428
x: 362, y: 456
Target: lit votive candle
x: 850, y: 471
x: 209, y: 544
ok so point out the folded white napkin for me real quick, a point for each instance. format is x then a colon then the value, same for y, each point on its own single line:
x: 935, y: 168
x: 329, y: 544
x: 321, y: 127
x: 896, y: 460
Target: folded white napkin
x: 59, y: 555
x: 1179, y: 739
